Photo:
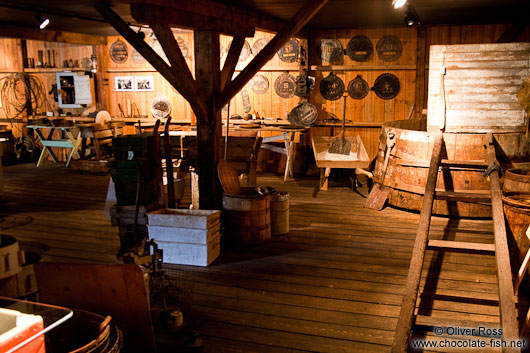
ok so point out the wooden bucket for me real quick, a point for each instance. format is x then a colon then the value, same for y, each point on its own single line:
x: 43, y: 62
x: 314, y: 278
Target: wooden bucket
x: 409, y: 161
x: 516, y: 180
x: 246, y: 218
x: 279, y: 213
x: 517, y: 213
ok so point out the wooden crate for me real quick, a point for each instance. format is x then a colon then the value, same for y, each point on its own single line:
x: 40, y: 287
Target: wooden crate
x: 478, y: 92
x: 190, y: 254
x: 199, y: 219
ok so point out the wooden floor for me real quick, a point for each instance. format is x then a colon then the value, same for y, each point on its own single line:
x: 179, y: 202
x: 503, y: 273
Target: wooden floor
x: 334, y: 284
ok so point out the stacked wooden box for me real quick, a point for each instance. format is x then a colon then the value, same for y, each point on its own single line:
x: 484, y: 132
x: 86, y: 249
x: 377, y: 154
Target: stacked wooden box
x: 186, y: 237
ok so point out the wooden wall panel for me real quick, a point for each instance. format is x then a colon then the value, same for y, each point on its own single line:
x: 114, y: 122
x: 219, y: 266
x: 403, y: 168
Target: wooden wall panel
x: 371, y: 108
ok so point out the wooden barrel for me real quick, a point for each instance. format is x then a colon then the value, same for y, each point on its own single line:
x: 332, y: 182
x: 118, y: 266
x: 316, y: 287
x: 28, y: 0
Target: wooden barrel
x: 279, y: 213
x: 409, y: 165
x: 246, y: 218
x: 517, y: 213
x: 517, y: 180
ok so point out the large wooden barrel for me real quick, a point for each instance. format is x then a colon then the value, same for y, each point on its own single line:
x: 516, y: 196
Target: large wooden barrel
x: 246, y: 218
x: 517, y: 214
x: 409, y: 164
x: 517, y: 179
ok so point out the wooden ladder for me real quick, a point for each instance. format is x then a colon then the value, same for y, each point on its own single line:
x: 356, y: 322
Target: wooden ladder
x: 499, y: 248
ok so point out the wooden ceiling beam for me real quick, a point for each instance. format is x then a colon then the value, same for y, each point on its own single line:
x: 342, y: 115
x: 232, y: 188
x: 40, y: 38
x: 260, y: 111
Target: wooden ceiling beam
x: 231, y: 61
x: 184, y: 19
x: 308, y: 10
x: 175, y: 77
x: 217, y: 10
x: 12, y: 31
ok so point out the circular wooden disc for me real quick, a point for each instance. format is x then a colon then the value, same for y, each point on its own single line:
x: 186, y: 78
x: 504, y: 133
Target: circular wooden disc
x: 358, y: 88
x: 386, y: 86
x: 285, y: 85
x: 389, y: 48
x: 259, y: 45
x: 360, y: 48
x: 245, y: 52
x: 289, y: 52
x: 330, y: 50
x: 303, y: 115
x: 332, y: 87
x: 118, y: 52
x: 228, y: 178
x: 259, y: 84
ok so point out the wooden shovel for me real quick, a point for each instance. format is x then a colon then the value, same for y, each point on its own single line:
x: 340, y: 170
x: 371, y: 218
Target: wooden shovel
x: 377, y: 198
x: 340, y: 145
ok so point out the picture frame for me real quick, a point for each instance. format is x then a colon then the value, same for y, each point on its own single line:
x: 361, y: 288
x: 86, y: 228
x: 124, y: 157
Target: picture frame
x: 144, y: 83
x: 124, y: 83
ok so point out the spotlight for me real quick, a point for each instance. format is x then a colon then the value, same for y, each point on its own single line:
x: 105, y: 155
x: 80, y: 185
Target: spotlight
x: 42, y: 22
x: 398, y: 3
x: 411, y: 17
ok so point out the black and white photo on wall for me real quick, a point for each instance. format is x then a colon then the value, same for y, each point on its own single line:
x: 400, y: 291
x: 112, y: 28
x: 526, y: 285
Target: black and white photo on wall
x: 124, y: 83
x: 144, y: 83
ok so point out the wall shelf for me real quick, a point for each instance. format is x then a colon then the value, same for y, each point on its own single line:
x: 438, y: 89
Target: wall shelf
x: 361, y: 67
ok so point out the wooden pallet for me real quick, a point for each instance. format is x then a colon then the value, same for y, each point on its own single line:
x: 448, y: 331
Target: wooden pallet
x: 422, y: 243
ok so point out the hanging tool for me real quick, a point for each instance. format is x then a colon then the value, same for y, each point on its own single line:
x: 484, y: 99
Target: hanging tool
x: 227, y: 127
x: 341, y: 145
x: 169, y: 166
x: 377, y: 198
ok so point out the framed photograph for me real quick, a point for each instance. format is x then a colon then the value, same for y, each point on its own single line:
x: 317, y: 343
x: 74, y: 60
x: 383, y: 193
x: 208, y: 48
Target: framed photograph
x: 124, y: 83
x: 144, y: 83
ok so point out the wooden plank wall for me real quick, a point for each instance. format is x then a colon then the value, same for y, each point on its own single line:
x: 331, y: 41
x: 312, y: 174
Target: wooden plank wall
x: 268, y: 104
x: 371, y: 108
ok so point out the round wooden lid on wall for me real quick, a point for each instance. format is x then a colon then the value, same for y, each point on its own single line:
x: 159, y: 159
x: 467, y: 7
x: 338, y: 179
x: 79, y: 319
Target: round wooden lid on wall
x: 285, y: 85
x: 330, y: 50
x: 360, y: 48
x: 389, y: 48
x: 259, y: 84
x: 119, y: 52
x: 358, y: 88
x: 245, y: 52
x: 289, y: 52
x: 259, y: 45
x: 386, y: 86
x: 332, y: 87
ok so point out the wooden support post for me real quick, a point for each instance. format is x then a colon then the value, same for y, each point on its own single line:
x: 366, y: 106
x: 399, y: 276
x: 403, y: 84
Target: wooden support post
x: 209, y: 136
x: 406, y: 314
x: 420, y: 73
x: 308, y: 10
x: 507, y: 309
x: 100, y: 79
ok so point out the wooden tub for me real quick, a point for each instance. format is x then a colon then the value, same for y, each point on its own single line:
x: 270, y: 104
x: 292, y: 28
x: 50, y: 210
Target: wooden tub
x: 409, y: 164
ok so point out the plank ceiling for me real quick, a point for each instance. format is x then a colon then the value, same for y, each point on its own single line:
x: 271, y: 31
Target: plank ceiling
x: 79, y: 16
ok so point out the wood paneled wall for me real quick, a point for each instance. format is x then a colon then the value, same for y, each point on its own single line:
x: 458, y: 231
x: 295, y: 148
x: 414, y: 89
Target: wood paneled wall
x: 371, y: 108
x: 268, y: 104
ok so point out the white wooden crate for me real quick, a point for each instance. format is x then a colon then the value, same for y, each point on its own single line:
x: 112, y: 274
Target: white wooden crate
x: 190, y: 254
x: 183, y: 235
x: 170, y: 217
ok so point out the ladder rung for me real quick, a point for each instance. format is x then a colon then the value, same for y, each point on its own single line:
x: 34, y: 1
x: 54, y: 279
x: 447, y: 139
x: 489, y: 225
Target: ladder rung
x: 459, y: 246
x: 464, y: 164
x: 463, y: 196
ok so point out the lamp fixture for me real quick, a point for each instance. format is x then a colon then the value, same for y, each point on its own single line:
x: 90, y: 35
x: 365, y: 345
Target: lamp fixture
x: 42, y: 22
x: 398, y: 3
x: 411, y: 17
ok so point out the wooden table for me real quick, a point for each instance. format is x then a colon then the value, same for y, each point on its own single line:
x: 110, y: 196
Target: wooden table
x: 357, y: 159
x: 70, y: 141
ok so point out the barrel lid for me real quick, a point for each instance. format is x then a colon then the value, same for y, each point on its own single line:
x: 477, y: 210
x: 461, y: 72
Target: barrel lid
x: 517, y: 199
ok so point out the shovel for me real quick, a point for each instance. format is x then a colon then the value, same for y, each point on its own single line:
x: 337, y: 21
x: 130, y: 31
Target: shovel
x: 341, y: 145
x: 377, y: 198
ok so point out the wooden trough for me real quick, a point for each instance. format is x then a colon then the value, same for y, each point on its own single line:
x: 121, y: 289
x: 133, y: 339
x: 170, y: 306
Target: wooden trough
x: 409, y: 163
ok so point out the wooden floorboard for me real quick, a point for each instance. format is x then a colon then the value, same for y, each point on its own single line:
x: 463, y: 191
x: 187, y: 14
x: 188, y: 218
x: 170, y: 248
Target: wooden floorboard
x: 333, y: 284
